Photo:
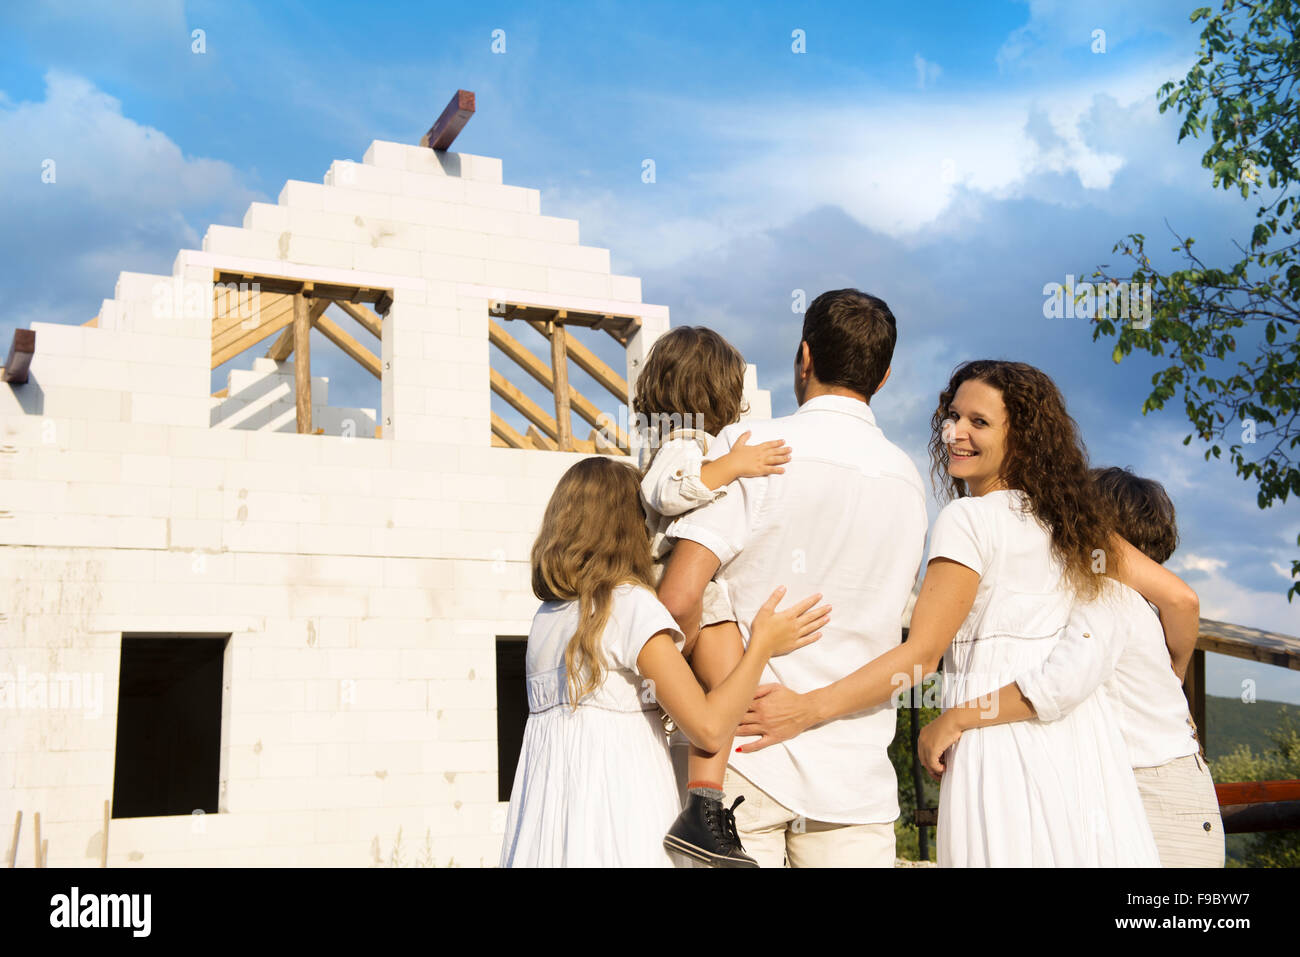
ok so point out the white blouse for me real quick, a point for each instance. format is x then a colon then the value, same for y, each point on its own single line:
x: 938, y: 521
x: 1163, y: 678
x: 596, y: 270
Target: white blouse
x: 671, y: 483
x: 1117, y: 642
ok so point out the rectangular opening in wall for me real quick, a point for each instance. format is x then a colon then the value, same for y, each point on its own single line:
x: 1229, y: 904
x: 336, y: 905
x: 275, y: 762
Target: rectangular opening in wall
x: 168, y: 752
x: 512, y: 709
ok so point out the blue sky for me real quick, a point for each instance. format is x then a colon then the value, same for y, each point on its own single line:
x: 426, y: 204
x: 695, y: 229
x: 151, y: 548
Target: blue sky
x: 950, y: 157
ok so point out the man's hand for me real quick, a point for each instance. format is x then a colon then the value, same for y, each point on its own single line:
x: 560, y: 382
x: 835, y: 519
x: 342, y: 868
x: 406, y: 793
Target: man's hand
x: 777, y: 714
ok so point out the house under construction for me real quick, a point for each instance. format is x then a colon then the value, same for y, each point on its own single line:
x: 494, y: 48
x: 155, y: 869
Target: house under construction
x: 244, y: 626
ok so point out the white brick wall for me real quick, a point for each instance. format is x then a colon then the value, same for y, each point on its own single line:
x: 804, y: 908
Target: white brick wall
x: 328, y: 560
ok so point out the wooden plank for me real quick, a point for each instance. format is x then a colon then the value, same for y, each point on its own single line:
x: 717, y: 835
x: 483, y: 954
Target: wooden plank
x: 1252, y: 644
x: 613, y: 323
x: 525, y: 406
x: 601, y: 444
x: 500, y: 443
x: 288, y: 285
x: 36, y: 819
x: 502, y: 430
x: 541, y: 441
x: 302, y: 363
x: 560, y: 369
x: 221, y: 393
x: 230, y: 325
x: 93, y: 323
x: 335, y: 334
x: 233, y: 307
x: 1253, y: 818
x: 524, y: 357
x: 249, y: 339
x: 447, y: 126
x: 284, y: 346
x: 13, y: 848
x: 18, y: 365
x: 369, y: 321
x: 1257, y: 792
x: 1194, y: 690
x: 590, y: 363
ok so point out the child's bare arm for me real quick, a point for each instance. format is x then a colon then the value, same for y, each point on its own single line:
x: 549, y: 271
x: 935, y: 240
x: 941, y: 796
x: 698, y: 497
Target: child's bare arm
x: 749, y: 461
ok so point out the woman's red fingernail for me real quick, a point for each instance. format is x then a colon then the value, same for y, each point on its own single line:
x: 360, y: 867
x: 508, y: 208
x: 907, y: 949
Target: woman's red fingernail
x: 738, y: 750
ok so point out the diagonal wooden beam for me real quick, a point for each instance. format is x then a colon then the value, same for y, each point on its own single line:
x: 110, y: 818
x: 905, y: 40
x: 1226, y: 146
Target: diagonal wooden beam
x: 237, y: 338
x: 453, y: 119
x: 525, y: 406
x: 541, y: 441
x: 371, y: 322
x: 535, y: 367
x: 335, y: 334
x: 588, y: 362
x: 283, y: 347
x: 502, y: 430
x: 266, y: 307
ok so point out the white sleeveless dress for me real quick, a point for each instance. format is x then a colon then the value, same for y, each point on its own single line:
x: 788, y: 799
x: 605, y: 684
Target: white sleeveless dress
x: 594, y: 786
x: 1029, y: 793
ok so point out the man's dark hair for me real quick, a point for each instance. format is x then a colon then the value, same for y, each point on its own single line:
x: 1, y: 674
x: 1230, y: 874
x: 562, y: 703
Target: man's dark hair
x: 850, y: 336
x: 1144, y: 514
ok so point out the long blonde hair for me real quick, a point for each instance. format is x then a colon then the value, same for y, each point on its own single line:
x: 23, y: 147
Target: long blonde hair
x: 593, y: 538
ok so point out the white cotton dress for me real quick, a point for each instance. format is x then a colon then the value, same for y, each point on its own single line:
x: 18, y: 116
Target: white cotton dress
x: 1028, y: 793
x: 595, y: 785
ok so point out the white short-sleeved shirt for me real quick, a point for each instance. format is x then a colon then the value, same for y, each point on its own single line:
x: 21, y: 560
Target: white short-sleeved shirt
x: 1117, y: 642
x: 847, y: 519
x: 635, y: 617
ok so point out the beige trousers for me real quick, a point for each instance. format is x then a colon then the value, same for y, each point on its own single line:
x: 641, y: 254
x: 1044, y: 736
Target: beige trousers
x: 776, y: 836
x: 1183, y: 812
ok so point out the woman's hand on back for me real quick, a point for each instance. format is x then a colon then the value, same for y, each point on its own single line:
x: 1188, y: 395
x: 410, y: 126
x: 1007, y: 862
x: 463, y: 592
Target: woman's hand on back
x: 781, y: 632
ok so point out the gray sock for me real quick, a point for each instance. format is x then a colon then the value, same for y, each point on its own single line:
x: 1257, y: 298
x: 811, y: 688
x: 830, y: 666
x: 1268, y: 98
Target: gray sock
x: 712, y: 793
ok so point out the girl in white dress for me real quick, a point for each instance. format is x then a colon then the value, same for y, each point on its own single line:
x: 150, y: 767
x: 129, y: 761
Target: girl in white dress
x: 692, y: 386
x: 1024, y: 538
x: 594, y: 785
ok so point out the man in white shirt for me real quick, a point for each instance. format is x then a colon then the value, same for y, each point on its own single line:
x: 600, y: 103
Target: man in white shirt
x: 847, y: 519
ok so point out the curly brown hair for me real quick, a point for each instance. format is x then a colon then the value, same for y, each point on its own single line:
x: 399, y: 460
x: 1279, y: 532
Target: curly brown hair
x: 577, y: 559
x: 1143, y: 511
x: 1045, y: 458
x: 691, y: 370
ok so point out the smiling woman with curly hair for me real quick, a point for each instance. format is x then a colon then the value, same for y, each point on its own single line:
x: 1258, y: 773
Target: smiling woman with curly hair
x: 1023, y: 539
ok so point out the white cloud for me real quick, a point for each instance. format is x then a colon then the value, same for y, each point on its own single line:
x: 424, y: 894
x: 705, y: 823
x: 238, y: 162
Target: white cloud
x: 926, y: 72
x: 1198, y: 563
x: 124, y: 196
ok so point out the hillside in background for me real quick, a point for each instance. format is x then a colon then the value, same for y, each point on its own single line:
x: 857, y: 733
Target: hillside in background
x: 1230, y: 722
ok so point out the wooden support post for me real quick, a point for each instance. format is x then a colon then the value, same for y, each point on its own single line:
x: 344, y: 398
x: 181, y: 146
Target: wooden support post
x: 560, y: 375
x: 103, y: 850
x: 1194, y: 689
x: 37, y: 825
x: 302, y: 362
x: 13, y: 848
